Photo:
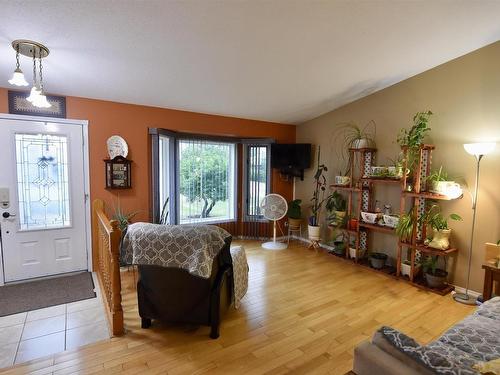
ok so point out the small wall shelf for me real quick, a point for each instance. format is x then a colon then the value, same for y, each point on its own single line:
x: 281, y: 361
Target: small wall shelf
x: 118, y: 173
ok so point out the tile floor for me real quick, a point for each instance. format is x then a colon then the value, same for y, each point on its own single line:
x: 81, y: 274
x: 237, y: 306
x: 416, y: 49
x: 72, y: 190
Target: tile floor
x: 51, y: 330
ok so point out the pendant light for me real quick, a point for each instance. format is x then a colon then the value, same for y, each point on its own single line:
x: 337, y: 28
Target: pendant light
x: 41, y: 100
x: 35, y: 91
x: 18, y: 76
x: 33, y: 50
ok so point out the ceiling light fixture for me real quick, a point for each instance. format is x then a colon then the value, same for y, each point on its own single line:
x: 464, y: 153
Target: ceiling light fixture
x: 18, y: 76
x: 33, y: 50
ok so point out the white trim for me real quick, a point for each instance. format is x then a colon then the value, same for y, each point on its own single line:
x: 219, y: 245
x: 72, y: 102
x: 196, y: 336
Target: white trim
x: 459, y: 289
x: 86, y: 174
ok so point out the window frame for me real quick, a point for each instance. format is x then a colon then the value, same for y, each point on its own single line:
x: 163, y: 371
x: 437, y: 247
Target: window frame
x: 247, y: 143
x: 174, y: 137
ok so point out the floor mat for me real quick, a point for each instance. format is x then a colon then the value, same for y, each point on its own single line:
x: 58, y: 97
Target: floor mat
x: 33, y: 295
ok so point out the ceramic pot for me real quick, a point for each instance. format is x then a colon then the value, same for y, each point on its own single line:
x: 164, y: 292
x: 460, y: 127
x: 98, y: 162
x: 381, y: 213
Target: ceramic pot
x: 294, y: 223
x: 314, y: 232
x: 342, y: 180
x: 449, y: 188
x: 362, y: 143
x: 441, y: 239
x: 353, y: 224
x: 437, y: 280
x: 405, y: 269
x: 377, y: 260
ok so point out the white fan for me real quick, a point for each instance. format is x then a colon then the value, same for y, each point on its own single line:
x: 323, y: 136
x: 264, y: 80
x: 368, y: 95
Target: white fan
x: 274, y: 207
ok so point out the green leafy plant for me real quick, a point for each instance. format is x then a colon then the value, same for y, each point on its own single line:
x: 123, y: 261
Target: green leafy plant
x: 438, y: 175
x: 317, y: 199
x: 414, y: 137
x: 123, y: 217
x: 435, y: 219
x: 404, y: 229
x: 294, y: 209
x: 335, y: 202
x: 346, y: 136
x: 429, y: 264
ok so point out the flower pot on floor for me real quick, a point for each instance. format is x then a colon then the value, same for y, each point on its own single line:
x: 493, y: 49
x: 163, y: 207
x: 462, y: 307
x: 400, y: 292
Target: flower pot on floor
x: 436, y: 280
x: 441, y: 239
x: 314, y: 232
x: 405, y: 268
x: 294, y: 223
x: 339, y: 248
x: 377, y: 260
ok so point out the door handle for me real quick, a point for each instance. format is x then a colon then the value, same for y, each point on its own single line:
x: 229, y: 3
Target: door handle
x: 6, y: 215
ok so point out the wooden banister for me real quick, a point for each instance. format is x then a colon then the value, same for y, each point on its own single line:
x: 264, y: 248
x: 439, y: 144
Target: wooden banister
x: 106, y: 247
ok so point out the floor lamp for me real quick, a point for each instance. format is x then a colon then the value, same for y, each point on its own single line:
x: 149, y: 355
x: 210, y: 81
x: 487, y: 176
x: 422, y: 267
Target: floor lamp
x: 478, y: 150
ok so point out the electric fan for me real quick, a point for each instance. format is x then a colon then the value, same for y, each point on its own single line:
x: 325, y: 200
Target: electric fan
x: 274, y: 207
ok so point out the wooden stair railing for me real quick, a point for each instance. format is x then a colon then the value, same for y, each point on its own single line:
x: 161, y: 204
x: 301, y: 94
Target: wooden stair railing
x: 106, y: 247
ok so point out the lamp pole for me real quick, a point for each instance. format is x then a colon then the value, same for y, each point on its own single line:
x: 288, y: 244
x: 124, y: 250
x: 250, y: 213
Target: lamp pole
x: 464, y: 297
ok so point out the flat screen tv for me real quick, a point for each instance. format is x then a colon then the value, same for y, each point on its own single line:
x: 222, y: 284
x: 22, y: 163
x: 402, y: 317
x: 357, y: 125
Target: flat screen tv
x: 291, y: 159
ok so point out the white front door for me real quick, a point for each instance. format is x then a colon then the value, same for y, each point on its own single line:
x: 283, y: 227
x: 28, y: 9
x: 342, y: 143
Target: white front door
x: 42, y: 199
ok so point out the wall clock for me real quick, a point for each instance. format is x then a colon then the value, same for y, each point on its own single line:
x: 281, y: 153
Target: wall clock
x: 117, y: 147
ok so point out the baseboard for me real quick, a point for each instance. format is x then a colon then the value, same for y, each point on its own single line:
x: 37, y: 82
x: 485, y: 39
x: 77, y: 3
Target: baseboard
x: 472, y: 293
x: 458, y: 289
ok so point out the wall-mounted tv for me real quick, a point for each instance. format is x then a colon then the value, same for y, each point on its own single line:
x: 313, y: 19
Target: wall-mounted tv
x: 291, y: 159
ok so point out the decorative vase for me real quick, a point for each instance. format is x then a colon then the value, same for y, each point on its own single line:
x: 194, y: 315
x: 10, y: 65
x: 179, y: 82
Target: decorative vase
x: 314, y: 232
x: 353, y: 224
x: 441, y: 239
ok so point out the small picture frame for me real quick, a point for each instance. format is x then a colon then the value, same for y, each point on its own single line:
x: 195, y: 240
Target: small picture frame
x: 18, y: 105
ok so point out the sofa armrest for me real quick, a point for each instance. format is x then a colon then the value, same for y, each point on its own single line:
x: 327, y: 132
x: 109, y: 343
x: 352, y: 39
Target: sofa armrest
x: 370, y: 359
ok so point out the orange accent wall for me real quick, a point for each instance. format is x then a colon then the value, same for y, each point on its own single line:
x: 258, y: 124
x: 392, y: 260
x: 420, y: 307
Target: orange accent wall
x: 132, y: 122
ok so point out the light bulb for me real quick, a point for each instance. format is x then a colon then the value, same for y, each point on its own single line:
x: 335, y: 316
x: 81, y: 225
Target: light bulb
x: 34, y: 93
x: 41, y: 101
x: 18, y: 78
x: 479, y: 148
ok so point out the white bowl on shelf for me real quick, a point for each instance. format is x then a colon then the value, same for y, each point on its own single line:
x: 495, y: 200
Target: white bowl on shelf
x: 391, y: 220
x: 369, y: 217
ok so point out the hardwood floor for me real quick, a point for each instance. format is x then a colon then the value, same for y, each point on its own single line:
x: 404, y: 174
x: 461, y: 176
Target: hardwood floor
x: 304, y: 313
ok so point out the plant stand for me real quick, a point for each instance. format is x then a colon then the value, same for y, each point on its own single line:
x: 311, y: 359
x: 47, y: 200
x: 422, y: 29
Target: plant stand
x: 359, y: 197
x: 314, y: 244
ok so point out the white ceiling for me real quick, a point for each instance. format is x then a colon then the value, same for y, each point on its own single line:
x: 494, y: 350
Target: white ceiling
x: 285, y: 61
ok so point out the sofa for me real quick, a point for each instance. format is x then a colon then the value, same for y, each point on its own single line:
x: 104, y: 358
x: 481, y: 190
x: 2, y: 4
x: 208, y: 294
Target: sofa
x: 174, y: 295
x: 474, y: 340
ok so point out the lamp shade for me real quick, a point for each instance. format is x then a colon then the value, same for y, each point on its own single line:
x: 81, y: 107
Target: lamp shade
x: 479, y: 148
x: 18, y: 78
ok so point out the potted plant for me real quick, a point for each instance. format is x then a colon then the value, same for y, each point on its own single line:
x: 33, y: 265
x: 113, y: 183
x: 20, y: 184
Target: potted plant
x: 404, y: 230
x: 440, y: 183
x: 350, y: 135
x: 435, y: 277
x: 336, y: 206
x: 339, y: 246
x: 123, y: 217
x: 439, y: 224
x: 377, y: 260
x: 294, y: 213
x: 317, y: 200
x: 413, y: 138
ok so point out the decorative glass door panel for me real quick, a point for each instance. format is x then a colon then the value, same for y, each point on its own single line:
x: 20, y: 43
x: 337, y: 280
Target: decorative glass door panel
x: 42, y: 213
x: 42, y: 181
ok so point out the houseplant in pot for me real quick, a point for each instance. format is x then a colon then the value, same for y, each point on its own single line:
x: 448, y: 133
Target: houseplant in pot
x: 349, y: 135
x: 336, y: 206
x: 440, y: 183
x: 377, y: 260
x: 435, y: 277
x: 404, y: 230
x: 294, y: 213
x: 414, y: 137
x: 439, y: 224
x: 317, y: 200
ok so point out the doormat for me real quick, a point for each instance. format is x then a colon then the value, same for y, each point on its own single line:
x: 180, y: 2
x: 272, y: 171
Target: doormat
x: 33, y: 295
